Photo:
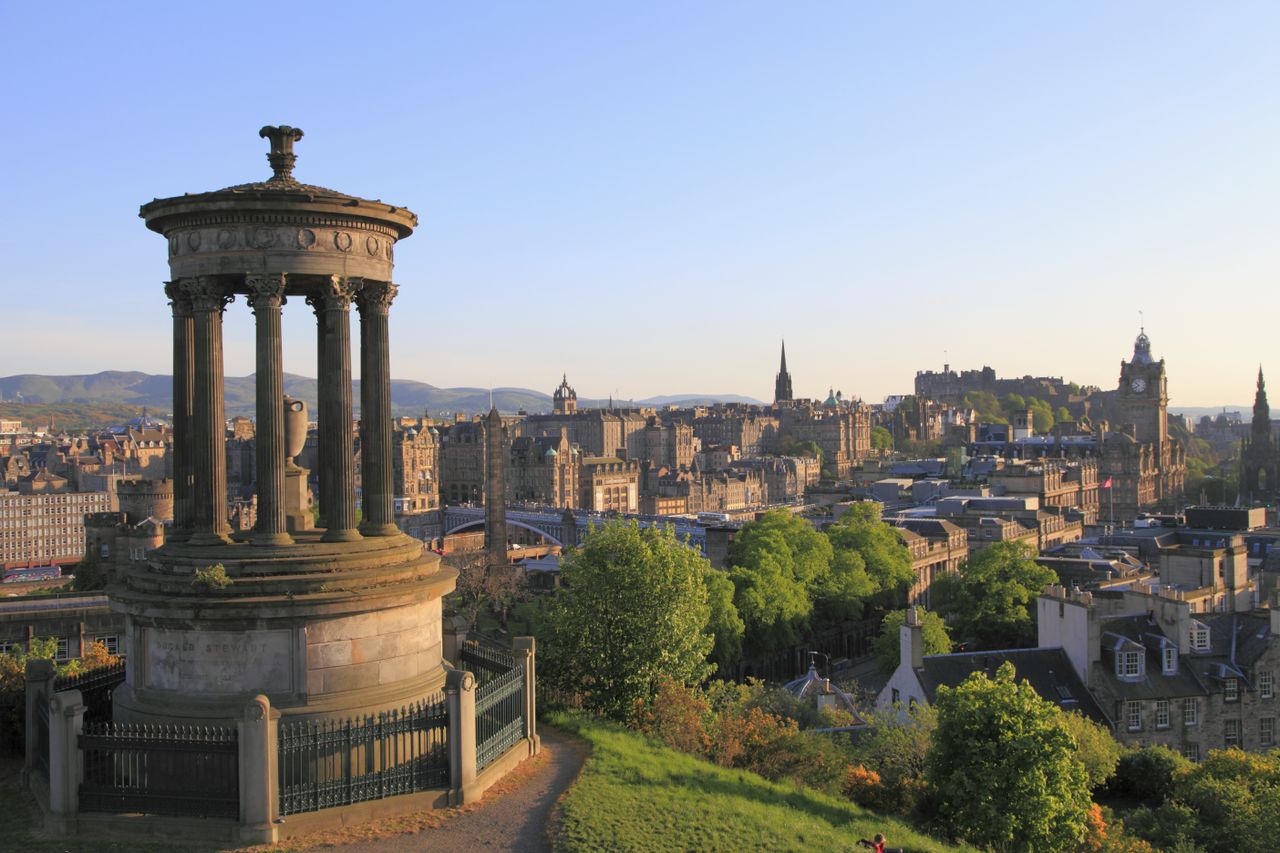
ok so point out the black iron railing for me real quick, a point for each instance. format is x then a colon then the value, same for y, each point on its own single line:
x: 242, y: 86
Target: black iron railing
x: 190, y: 771
x: 96, y: 687
x: 326, y: 763
x: 485, y: 662
x: 499, y: 715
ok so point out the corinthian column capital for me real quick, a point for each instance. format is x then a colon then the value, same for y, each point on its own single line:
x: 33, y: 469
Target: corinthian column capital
x: 375, y: 297
x: 335, y: 293
x: 206, y: 293
x: 179, y: 301
x: 265, y: 291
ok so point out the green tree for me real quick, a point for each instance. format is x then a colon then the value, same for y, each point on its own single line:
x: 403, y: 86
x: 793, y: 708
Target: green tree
x: 860, y: 536
x: 989, y: 603
x: 1062, y: 416
x: 1012, y: 404
x: 724, y: 623
x: 1005, y: 767
x: 1041, y: 415
x: 777, y: 561
x: 896, y: 749
x: 881, y: 439
x: 1097, y: 750
x: 634, y: 607
x: 887, y: 646
x: 1147, y: 774
x: 1235, y: 796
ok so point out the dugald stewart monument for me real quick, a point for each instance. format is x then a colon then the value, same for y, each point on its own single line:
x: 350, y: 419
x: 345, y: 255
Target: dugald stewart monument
x: 338, y: 618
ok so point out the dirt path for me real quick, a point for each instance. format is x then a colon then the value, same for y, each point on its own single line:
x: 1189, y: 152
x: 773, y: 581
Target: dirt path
x: 512, y: 816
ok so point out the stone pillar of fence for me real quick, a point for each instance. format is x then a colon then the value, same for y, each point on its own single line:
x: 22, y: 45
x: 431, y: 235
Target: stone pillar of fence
x: 524, y: 650
x: 460, y: 700
x: 66, y: 761
x: 258, y: 729
x: 453, y: 637
x: 40, y: 676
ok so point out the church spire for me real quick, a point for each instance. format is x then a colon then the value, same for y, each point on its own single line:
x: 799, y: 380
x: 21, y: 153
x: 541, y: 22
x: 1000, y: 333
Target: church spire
x: 782, y: 385
x: 1261, y: 411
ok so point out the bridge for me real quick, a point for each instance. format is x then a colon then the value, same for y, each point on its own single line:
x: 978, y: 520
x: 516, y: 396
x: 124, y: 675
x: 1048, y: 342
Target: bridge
x: 550, y: 522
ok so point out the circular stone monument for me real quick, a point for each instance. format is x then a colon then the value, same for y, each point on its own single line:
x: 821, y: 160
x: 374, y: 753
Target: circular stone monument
x: 332, y: 619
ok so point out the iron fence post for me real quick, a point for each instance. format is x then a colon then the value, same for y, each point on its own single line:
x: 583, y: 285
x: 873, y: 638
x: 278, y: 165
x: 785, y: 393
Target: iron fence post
x: 259, y: 771
x: 524, y: 649
x: 66, y: 761
x: 460, y: 697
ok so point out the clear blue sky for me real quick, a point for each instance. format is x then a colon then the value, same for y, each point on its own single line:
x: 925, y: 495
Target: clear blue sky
x: 649, y: 195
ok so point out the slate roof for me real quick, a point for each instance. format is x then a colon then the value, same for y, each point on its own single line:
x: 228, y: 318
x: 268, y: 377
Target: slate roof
x: 1048, y: 671
x: 1143, y: 631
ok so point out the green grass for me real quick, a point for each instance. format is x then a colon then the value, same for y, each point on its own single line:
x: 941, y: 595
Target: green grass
x: 636, y: 795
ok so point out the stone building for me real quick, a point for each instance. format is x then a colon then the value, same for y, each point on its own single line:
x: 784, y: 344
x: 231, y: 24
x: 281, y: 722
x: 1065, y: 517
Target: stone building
x: 841, y: 428
x: 752, y: 432
x: 937, y: 548
x: 784, y: 478
x: 462, y: 463
x: 1059, y: 484
x: 43, y: 523
x: 544, y: 470
x: 1166, y: 675
x: 670, y: 443
x: 114, y: 539
x: 415, y: 461
x: 609, y: 484
x: 782, y: 392
x: 1146, y: 468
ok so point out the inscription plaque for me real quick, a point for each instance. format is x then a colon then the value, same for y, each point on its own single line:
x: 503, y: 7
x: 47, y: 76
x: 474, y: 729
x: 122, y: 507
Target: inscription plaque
x: 219, y: 661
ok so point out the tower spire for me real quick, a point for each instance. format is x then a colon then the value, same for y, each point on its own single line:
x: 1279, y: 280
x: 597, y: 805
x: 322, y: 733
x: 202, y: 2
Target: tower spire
x: 782, y: 385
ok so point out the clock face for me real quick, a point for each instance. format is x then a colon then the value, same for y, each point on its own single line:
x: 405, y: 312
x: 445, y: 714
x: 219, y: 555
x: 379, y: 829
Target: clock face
x: 1138, y: 385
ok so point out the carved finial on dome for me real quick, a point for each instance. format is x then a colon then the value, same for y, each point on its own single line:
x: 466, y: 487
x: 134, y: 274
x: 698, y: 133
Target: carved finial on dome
x: 281, y: 157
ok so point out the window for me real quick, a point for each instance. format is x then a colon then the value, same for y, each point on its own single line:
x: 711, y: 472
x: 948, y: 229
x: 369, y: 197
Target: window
x: 1190, y: 712
x: 1231, y: 733
x: 1128, y: 664
x: 1169, y: 663
x: 1199, y: 637
x: 897, y: 697
x: 1231, y: 690
x: 1162, y: 713
x: 63, y: 652
x: 1191, y: 752
x: 1266, y: 687
x: 1133, y: 714
x: 112, y: 643
x: 1267, y: 731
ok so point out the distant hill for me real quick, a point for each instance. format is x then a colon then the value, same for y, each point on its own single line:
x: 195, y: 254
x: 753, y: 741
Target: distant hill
x: 1195, y: 413
x: 131, y: 388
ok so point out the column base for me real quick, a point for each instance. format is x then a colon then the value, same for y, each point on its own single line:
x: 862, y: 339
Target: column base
x: 271, y: 539
x: 371, y: 529
x: 207, y: 538
x: 341, y: 536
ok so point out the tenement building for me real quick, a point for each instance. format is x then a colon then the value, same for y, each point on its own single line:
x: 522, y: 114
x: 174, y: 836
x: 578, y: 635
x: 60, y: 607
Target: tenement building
x: 42, y: 523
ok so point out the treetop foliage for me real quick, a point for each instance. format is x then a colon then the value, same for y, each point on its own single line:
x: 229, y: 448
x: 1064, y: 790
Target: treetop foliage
x: 990, y: 601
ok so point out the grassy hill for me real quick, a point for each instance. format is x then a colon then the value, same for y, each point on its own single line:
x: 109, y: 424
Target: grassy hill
x: 634, y: 795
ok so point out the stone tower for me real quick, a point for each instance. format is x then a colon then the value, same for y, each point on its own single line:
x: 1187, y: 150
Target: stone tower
x: 1144, y: 394
x: 1260, y: 452
x: 564, y: 400
x: 782, y: 384
x: 340, y: 620
x: 495, y: 493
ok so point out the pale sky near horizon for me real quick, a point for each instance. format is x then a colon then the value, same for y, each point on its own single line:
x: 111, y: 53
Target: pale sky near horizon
x: 650, y: 196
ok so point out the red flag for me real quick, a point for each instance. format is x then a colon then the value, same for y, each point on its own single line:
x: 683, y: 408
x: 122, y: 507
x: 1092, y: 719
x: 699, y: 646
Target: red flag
x: 1107, y: 484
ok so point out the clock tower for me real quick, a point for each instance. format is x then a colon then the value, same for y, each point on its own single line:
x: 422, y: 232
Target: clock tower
x: 1144, y: 394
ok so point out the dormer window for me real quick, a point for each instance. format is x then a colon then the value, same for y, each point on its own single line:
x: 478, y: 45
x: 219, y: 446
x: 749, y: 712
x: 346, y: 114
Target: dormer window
x: 1199, y: 637
x: 1129, y: 664
x: 1169, y: 660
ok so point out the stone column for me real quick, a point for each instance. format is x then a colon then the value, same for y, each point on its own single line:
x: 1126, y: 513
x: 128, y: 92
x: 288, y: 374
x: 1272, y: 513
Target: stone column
x: 266, y: 295
x: 337, y: 448
x: 460, y: 702
x: 208, y: 433
x: 40, y: 676
x: 374, y: 302
x: 259, y: 771
x: 524, y: 650
x: 66, y: 761
x: 183, y: 366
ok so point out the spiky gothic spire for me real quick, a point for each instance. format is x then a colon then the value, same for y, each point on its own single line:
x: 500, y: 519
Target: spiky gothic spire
x: 782, y: 385
x: 1261, y: 411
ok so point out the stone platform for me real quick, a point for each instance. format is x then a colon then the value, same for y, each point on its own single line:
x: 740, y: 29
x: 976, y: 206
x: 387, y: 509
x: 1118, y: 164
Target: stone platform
x: 323, y: 629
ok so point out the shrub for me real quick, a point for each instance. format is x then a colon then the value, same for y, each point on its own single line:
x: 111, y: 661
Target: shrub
x: 211, y: 577
x: 1147, y: 774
